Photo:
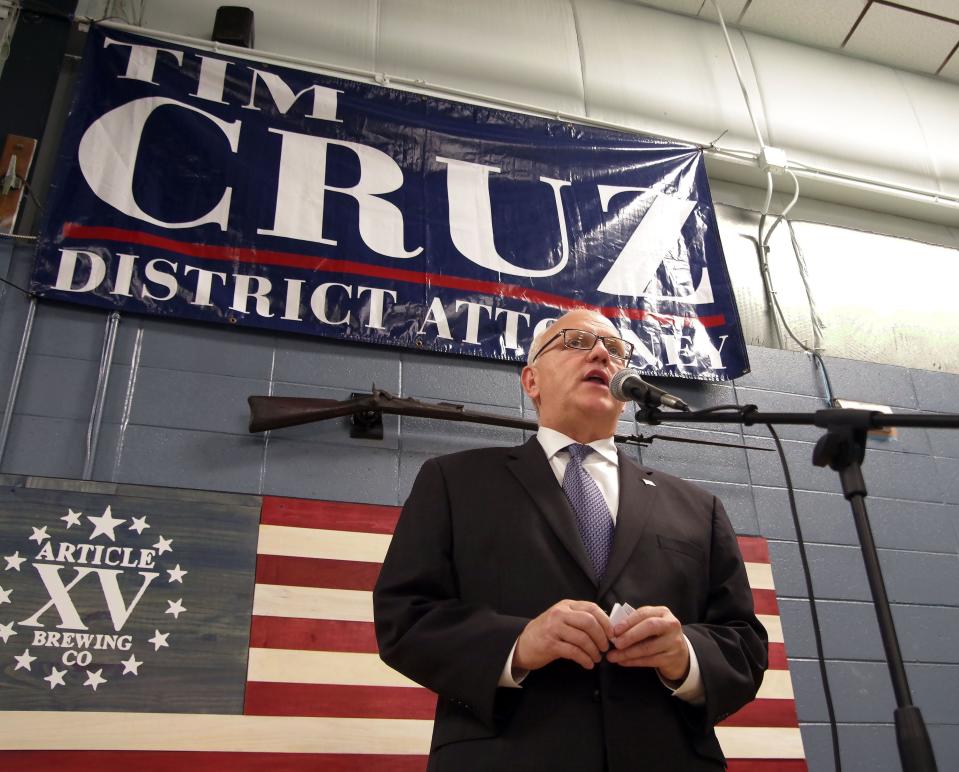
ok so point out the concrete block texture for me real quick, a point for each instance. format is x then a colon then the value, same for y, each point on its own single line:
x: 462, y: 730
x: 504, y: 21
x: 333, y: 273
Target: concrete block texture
x: 850, y: 631
x: 460, y: 380
x: 697, y: 462
x: 180, y: 458
x: 947, y: 476
x: 861, y: 692
x: 808, y: 690
x: 944, y: 442
x: 872, y: 747
x: 45, y: 446
x: 765, y: 469
x: 338, y: 472
x: 790, y: 372
x: 206, y: 348
x: 184, y: 400
x: 935, y: 391
x: 870, y: 382
x: 329, y: 364
x: 837, y: 571
x: 823, y: 517
x: 925, y: 578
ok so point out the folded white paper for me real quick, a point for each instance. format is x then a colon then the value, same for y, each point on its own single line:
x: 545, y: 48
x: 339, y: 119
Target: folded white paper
x: 619, y: 612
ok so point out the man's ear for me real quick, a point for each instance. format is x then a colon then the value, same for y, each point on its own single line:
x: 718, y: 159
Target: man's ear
x: 528, y: 380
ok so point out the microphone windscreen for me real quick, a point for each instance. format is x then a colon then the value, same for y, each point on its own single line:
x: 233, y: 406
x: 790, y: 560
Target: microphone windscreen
x: 618, y: 381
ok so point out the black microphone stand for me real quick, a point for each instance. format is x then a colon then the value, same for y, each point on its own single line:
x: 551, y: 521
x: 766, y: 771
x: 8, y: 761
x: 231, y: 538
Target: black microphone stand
x: 843, y: 448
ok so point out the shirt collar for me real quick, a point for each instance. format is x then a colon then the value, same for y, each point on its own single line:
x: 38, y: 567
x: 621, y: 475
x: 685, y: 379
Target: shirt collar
x: 553, y: 441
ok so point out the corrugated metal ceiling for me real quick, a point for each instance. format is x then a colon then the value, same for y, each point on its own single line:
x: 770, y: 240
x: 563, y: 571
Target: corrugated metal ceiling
x: 917, y: 35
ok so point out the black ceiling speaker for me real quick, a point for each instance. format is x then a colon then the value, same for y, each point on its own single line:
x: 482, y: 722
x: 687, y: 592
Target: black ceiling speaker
x: 234, y: 25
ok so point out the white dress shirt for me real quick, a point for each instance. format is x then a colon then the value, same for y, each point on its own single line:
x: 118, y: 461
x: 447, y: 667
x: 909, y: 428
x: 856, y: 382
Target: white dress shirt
x: 603, y: 466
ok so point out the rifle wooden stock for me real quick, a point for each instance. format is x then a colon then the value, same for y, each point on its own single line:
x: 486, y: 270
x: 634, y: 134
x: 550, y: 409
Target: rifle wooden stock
x: 278, y: 412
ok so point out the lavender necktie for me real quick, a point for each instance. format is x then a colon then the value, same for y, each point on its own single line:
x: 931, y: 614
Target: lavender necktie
x: 592, y: 512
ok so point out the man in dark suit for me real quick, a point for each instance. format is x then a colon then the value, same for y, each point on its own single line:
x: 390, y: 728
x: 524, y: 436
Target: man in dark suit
x: 506, y: 562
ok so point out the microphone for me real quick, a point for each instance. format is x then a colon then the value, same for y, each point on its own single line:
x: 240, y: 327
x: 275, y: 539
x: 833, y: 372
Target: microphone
x: 627, y: 385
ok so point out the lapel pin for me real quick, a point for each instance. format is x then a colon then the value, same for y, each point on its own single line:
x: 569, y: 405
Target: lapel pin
x: 649, y: 482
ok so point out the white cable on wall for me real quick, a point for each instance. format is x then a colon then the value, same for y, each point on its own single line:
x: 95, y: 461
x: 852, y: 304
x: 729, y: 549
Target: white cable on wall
x: 764, y: 236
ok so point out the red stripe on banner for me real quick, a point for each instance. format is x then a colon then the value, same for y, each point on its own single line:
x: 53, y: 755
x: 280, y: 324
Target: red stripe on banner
x: 312, y: 634
x: 316, y: 572
x: 338, y: 701
x: 332, y: 515
x: 777, y: 657
x: 755, y: 549
x: 765, y: 602
x: 271, y: 257
x: 767, y: 765
x: 764, y: 713
x: 176, y: 761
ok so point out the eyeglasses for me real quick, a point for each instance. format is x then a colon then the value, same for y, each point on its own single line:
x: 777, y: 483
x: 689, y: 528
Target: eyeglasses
x: 583, y: 340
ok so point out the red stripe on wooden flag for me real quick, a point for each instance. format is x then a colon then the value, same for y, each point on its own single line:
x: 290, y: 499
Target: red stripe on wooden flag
x: 767, y: 765
x: 155, y: 761
x: 177, y: 761
x: 777, y: 657
x: 754, y: 549
x: 335, y: 515
x: 764, y: 713
x: 382, y: 702
x: 312, y: 634
x: 338, y: 701
x: 316, y: 572
x: 765, y: 602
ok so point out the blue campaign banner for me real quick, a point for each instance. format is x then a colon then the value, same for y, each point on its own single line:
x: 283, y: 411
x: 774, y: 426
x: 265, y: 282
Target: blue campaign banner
x: 198, y: 185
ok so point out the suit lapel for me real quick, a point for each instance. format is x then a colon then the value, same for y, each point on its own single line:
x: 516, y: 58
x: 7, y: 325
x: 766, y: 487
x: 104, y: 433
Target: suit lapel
x: 530, y: 466
x: 636, y: 500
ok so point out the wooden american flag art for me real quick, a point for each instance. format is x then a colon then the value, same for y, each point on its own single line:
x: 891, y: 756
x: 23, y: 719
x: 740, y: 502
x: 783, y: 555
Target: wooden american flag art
x: 316, y: 694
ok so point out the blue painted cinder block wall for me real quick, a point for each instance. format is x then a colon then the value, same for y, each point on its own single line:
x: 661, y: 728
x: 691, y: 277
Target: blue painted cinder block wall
x: 176, y: 415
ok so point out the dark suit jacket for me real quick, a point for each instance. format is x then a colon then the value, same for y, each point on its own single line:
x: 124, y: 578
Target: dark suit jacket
x: 487, y: 541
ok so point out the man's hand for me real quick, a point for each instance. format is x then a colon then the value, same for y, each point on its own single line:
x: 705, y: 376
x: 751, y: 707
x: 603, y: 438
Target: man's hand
x: 651, y: 637
x: 571, y: 629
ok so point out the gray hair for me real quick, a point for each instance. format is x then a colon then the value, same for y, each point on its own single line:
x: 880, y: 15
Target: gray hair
x: 538, y: 342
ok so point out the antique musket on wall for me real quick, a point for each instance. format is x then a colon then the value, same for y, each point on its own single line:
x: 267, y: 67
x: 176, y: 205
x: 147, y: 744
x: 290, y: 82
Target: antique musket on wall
x: 366, y: 411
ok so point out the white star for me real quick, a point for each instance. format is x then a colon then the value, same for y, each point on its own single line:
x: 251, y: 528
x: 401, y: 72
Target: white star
x: 56, y: 677
x: 176, y: 608
x: 6, y: 631
x: 139, y: 524
x: 39, y: 534
x: 24, y: 660
x: 158, y: 639
x: 4, y: 596
x: 105, y: 524
x: 13, y: 561
x: 130, y: 665
x: 164, y: 545
x: 72, y: 518
x: 94, y: 679
x: 176, y: 574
